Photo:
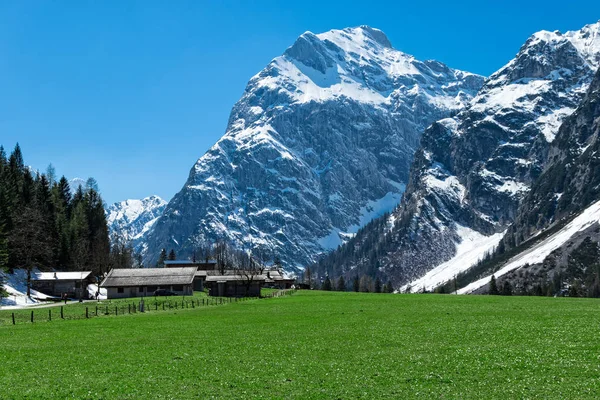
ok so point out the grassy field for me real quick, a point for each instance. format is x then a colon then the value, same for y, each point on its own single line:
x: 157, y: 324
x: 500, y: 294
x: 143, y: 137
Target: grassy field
x: 316, y: 345
x: 75, y: 310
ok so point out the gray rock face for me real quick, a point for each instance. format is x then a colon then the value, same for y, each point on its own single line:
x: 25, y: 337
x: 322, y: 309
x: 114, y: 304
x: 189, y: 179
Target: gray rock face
x: 131, y: 220
x: 321, y: 142
x: 571, y: 178
x: 474, y: 169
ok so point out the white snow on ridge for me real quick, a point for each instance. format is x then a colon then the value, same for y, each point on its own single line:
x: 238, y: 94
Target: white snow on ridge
x: 469, y: 251
x: 540, y: 251
x: 587, y: 42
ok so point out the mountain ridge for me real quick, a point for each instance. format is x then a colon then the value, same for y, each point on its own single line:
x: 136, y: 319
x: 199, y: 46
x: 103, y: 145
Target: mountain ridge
x: 324, y: 131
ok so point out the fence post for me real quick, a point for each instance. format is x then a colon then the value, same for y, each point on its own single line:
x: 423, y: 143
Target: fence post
x: 116, y: 310
x: 49, y: 314
x: 13, y: 317
x: 62, y: 316
x: 129, y: 308
x: 86, y: 313
x: 32, y: 316
x: 193, y: 305
x: 96, y: 310
x: 106, y: 310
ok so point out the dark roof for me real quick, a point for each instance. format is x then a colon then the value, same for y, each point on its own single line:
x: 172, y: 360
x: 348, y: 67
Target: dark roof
x: 190, y: 262
x: 149, y: 276
x: 234, y: 278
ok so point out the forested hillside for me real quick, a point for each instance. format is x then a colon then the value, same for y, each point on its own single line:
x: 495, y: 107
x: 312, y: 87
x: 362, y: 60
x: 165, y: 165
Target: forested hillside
x: 46, y: 224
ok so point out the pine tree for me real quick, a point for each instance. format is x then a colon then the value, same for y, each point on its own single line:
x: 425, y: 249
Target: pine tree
x: 378, y: 285
x: 506, y: 288
x: 161, y: 259
x: 308, y: 276
x: 390, y: 287
x: 27, y: 242
x: 326, y: 284
x: 493, y: 287
x: 356, y: 284
x: 341, y: 284
x: 3, y: 259
x: 172, y: 255
x: 277, y: 264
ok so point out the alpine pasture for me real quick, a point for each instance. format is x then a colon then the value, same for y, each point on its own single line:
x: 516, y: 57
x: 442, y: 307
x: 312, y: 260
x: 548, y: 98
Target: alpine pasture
x: 315, y: 345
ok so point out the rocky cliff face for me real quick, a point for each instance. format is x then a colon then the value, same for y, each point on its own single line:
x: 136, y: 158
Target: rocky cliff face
x: 474, y: 169
x: 131, y: 220
x: 320, y: 143
x: 571, y: 178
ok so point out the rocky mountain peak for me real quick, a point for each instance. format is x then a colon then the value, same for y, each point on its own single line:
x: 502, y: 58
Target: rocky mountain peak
x: 320, y: 143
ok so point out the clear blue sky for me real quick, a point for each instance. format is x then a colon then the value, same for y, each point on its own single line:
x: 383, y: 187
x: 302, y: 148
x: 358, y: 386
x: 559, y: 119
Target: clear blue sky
x: 132, y: 93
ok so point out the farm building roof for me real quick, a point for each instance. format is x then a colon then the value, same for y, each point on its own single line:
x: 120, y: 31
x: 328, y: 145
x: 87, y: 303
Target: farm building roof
x: 234, y: 278
x: 60, y: 276
x: 190, y: 262
x: 149, y: 276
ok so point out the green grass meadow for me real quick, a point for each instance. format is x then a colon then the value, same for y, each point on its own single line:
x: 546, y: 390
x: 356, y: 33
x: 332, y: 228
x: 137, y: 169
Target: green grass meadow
x: 315, y: 345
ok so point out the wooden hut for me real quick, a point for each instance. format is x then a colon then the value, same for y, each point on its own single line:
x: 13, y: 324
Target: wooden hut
x: 141, y: 282
x: 72, y: 284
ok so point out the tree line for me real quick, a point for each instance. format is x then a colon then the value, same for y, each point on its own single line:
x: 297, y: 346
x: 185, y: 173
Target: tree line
x: 46, y: 224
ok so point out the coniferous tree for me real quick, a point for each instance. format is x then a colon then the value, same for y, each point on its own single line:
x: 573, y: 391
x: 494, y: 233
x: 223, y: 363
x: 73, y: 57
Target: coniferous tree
x: 172, y: 255
x: 27, y: 242
x: 341, y: 284
x: 326, y: 284
x: 506, y: 288
x: 308, y: 277
x: 493, y: 286
x: 378, y: 285
x: 356, y: 284
x: 161, y: 259
x: 389, y: 288
x: 3, y: 259
x: 47, y: 227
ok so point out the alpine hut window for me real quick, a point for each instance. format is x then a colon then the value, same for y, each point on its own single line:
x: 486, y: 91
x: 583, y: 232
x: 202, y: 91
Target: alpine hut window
x: 120, y: 290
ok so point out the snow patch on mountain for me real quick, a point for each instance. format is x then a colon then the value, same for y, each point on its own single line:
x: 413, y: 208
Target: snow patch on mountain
x: 471, y: 248
x: 540, y: 251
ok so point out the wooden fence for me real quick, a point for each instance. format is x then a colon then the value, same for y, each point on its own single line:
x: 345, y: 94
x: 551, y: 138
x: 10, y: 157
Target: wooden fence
x: 89, y: 310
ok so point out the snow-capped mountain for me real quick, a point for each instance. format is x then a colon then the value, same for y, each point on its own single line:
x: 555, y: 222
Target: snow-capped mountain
x: 130, y: 220
x: 474, y: 168
x: 555, y: 237
x: 320, y: 143
x: 75, y: 183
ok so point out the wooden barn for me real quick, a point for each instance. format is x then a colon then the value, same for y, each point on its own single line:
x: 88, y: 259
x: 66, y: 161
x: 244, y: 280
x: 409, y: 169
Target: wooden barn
x: 73, y: 284
x: 140, y: 282
x: 234, y: 285
x: 275, y: 279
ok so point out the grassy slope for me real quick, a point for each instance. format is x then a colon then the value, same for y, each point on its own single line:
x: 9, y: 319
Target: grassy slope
x: 316, y: 345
